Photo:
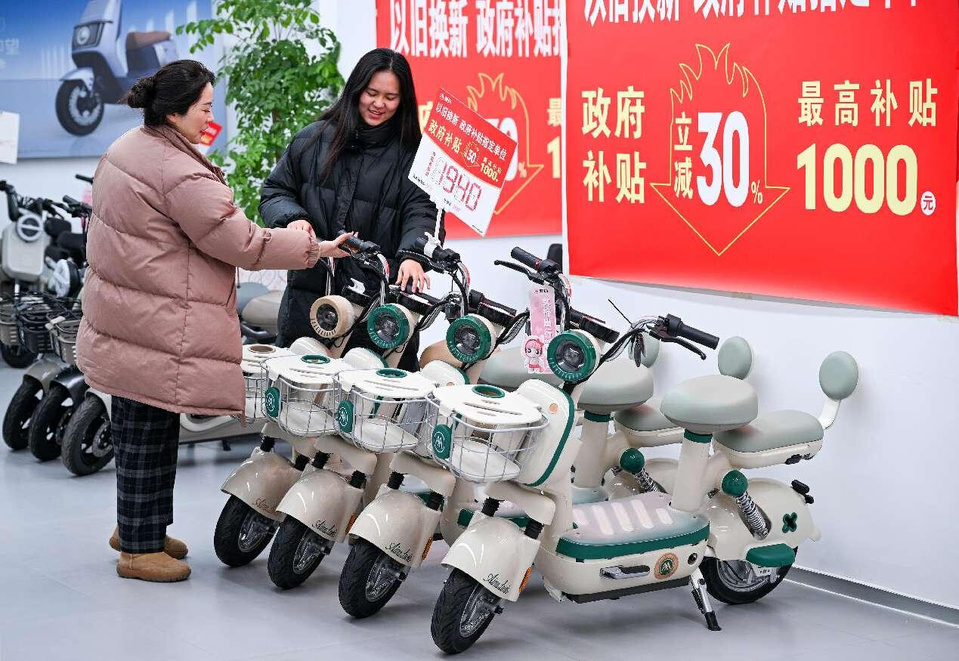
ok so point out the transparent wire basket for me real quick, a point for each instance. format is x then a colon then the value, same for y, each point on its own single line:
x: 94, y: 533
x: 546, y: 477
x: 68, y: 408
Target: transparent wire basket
x: 9, y: 335
x: 380, y: 416
x: 300, y: 399
x: 255, y: 376
x: 477, y: 450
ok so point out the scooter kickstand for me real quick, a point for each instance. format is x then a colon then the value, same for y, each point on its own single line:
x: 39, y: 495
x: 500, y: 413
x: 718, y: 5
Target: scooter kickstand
x: 702, y: 600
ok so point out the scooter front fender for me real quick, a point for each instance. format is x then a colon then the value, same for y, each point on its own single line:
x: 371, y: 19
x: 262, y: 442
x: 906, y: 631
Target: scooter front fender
x: 44, y: 371
x: 400, y: 524
x: 261, y: 482
x: 790, y: 520
x: 496, y: 553
x: 324, y: 502
x: 72, y: 379
x: 83, y: 74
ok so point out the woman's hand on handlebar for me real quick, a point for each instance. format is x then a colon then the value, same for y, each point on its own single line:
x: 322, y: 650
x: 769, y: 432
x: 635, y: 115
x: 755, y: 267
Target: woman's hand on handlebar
x: 333, y: 248
x: 412, y: 271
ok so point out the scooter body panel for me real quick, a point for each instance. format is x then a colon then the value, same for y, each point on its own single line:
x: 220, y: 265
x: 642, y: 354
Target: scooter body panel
x: 400, y: 524
x: 496, y: 553
x: 790, y: 520
x: 82, y: 74
x: 72, y: 380
x: 45, y: 370
x: 324, y: 502
x: 261, y: 482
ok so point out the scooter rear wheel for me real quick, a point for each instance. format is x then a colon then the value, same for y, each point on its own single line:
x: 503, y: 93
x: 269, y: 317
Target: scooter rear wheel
x: 369, y: 580
x: 19, y: 415
x: 241, y: 533
x: 736, y: 582
x: 17, y: 357
x: 86, y: 442
x: 463, y: 612
x: 296, y: 553
x: 49, y: 423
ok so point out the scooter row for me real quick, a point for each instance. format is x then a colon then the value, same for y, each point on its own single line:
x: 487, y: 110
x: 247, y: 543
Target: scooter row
x: 424, y: 450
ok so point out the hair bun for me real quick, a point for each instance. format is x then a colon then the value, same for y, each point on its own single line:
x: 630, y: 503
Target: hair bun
x: 142, y: 92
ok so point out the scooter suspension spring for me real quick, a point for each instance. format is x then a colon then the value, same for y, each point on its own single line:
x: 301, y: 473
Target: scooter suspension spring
x: 753, y: 516
x: 646, y: 482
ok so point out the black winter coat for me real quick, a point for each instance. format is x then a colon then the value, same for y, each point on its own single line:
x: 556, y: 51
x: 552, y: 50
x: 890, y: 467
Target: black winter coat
x: 368, y: 191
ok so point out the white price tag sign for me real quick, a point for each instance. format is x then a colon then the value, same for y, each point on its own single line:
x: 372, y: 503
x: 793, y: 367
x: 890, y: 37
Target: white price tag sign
x: 9, y: 137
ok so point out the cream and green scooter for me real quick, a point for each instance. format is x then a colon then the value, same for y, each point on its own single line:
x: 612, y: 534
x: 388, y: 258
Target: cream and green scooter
x: 646, y: 542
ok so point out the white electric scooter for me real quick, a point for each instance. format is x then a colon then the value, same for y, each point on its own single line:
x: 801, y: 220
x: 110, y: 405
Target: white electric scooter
x: 107, y: 64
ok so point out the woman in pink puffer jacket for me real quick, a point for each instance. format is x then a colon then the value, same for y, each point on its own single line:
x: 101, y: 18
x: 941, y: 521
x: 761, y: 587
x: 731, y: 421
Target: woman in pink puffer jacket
x: 160, y: 330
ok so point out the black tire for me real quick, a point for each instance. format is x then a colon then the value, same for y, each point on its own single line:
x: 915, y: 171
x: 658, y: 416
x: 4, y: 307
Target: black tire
x: 727, y: 581
x: 73, y: 100
x: 233, y: 542
x: 49, y: 423
x: 86, y: 442
x: 296, y: 553
x: 17, y: 357
x: 459, y: 593
x: 19, y: 415
x: 359, y: 594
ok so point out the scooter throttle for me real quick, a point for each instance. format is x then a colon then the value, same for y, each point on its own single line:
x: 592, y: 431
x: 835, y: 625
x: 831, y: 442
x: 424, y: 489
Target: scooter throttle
x: 676, y: 327
x: 532, y: 261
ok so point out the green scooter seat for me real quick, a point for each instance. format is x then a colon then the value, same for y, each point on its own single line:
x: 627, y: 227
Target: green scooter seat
x: 771, y: 431
x: 711, y: 404
x: 618, y: 384
x: 645, y: 417
x: 629, y: 526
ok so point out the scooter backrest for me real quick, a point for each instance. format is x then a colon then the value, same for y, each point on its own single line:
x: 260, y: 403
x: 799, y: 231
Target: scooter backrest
x: 444, y: 374
x: 651, y: 353
x: 307, y: 346
x: 735, y: 358
x: 839, y: 375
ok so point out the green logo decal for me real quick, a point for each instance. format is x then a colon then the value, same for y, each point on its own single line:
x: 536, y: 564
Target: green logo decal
x: 344, y: 416
x: 790, y: 522
x: 666, y: 566
x: 272, y: 403
x: 442, y: 442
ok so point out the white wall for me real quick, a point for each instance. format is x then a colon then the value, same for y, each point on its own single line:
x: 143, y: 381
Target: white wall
x: 885, y: 483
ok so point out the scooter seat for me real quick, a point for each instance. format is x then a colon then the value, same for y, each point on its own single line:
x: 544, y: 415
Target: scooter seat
x: 247, y: 291
x: 264, y: 311
x: 136, y: 40
x: 617, y: 385
x: 645, y: 417
x: 629, y: 526
x: 771, y: 431
x: 710, y: 404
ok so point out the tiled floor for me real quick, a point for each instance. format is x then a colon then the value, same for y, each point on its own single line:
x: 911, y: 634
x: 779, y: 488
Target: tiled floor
x: 60, y: 597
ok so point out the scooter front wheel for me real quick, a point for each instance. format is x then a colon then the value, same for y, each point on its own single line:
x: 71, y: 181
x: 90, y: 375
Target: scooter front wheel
x: 463, y: 611
x: 241, y: 533
x: 79, y: 110
x: 296, y: 553
x: 49, y: 423
x: 19, y: 415
x: 369, y: 579
x: 737, y: 581
x: 87, y: 446
x: 17, y: 357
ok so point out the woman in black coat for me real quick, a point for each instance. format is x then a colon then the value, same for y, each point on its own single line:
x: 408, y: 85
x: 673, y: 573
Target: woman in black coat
x: 349, y: 172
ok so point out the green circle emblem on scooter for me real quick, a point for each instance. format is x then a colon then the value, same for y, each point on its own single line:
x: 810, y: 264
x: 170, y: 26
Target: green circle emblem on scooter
x: 666, y: 566
x: 442, y: 441
x: 272, y: 402
x: 344, y: 416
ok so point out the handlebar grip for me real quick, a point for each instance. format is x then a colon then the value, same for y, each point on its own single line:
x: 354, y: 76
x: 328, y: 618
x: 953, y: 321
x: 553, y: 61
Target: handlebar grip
x: 89, y: 180
x: 354, y: 244
x: 525, y: 258
x: 677, y: 328
x: 70, y: 201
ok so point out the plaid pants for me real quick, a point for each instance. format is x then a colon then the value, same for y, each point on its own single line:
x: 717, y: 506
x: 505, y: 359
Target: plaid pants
x: 145, y: 442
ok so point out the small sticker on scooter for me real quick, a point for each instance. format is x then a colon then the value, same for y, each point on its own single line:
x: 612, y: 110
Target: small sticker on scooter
x: 502, y: 586
x: 666, y: 566
x: 403, y: 554
x: 442, y: 442
x: 272, y: 402
x: 344, y: 416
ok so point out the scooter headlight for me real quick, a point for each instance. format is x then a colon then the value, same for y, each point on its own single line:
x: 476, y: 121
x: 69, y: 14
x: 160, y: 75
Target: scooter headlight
x: 388, y: 327
x: 571, y: 356
x: 468, y: 339
x: 327, y: 318
x: 87, y: 35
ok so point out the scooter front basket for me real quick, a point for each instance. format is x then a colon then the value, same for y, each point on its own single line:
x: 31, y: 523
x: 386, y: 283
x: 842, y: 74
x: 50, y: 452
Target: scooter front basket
x: 63, y: 331
x: 255, y: 375
x: 9, y: 331
x: 299, y: 396
x: 382, y: 410
x: 483, y: 433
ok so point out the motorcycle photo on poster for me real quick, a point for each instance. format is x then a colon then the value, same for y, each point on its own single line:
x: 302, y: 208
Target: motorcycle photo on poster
x: 66, y: 75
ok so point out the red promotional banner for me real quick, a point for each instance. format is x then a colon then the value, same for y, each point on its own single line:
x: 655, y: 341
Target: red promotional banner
x: 501, y: 58
x: 802, y: 148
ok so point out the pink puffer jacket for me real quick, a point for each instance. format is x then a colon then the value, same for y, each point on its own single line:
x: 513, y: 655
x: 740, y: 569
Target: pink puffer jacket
x: 160, y: 323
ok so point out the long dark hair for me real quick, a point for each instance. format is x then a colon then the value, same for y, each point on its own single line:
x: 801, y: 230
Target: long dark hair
x: 171, y: 90
x: 344, y: 115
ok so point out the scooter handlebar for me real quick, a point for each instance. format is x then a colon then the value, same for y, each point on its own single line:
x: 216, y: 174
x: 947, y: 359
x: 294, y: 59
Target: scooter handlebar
x: 532, y: 261
x: 677, y: 328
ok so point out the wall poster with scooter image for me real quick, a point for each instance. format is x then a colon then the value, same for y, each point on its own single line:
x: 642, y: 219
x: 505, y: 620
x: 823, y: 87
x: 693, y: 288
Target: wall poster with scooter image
x: 65, y: 74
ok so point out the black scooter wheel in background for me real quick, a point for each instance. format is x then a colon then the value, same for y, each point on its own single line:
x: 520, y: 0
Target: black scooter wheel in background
x: 19, y: 415
x: 74, y: 100
x: 87, y: 446
x: 241, y: 533
x: 49, y: 422
x: 17, y: 357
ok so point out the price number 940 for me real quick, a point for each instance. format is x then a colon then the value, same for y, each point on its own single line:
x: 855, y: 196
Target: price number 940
x: 453, y: 181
